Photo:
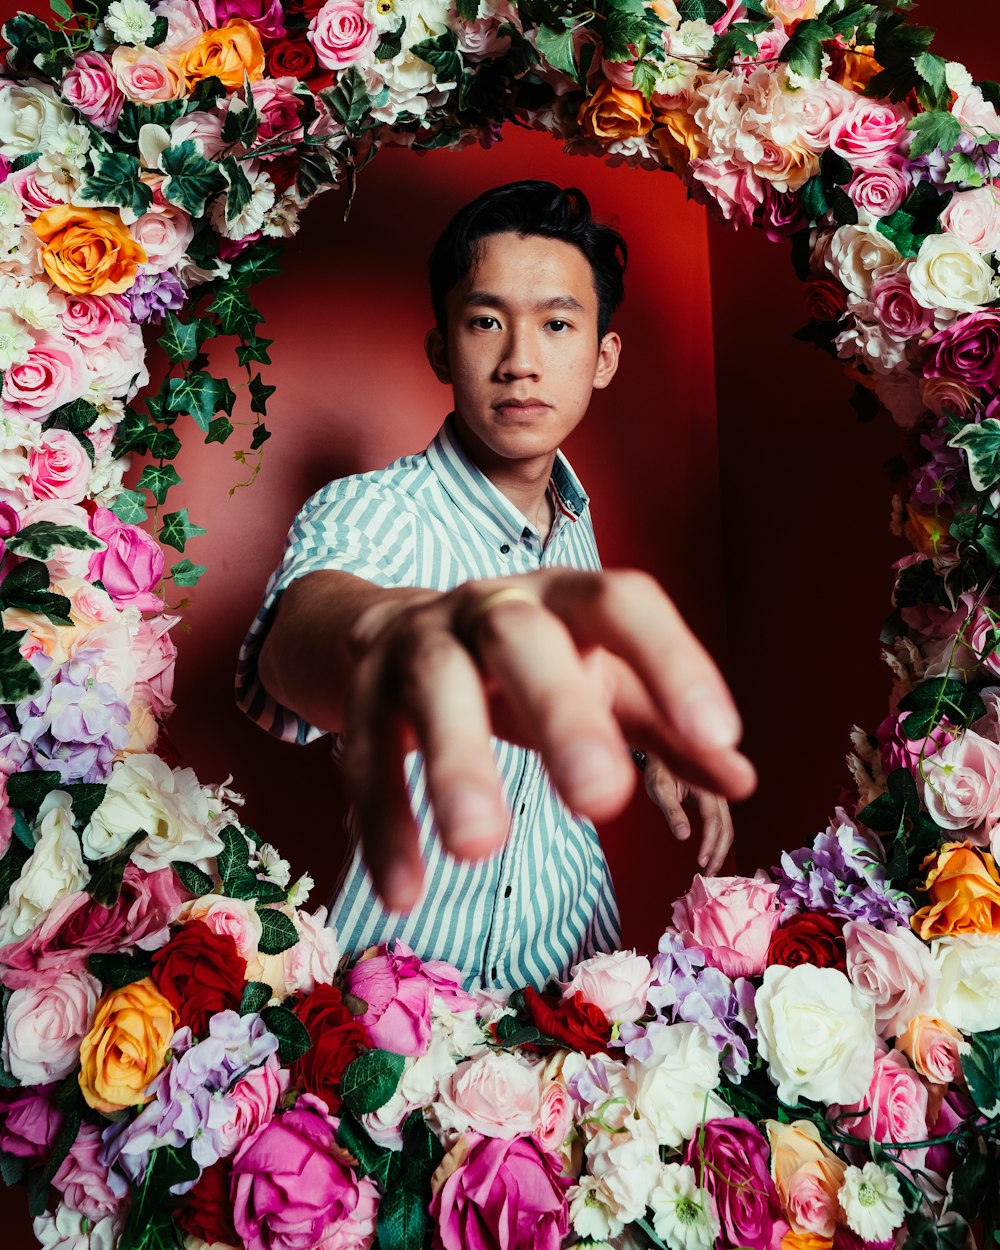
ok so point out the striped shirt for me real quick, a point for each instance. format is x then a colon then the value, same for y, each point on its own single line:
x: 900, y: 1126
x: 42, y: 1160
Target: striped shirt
x: 528, y: 913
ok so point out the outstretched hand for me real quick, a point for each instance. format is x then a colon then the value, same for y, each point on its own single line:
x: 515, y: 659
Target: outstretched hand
x: 669, y: 792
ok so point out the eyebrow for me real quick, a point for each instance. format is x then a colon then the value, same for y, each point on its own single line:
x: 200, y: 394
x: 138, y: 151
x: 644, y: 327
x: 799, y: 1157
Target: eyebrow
x: 566, y: 302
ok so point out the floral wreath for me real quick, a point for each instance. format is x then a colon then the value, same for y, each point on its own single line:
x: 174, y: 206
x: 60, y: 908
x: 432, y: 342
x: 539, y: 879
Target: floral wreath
x: 812, y: 1058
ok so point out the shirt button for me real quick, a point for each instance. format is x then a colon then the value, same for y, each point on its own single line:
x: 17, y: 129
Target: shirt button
x: 493, y: 974
x: 505, y: 549
x: 506, y: 892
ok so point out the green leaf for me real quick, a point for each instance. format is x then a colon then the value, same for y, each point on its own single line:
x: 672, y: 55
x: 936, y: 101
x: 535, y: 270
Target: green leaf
x: 255, y: 350
x: 962, y: 169
x: 348, y: 101
x: 882, y: 814
x: 933, y: 130
x: 128, y: 507
x: 185, y: 573
x: 932, y: 91
x: 28, y: 790
x: 219, y: 429
x: 159, y: 32
x: 105, y: 884
x: 938, y: 692
x: 804, y: 50
x: 371, y: 1080
x: 557, y: 48
x: 158, y: 479
x: 441, y: 53
x: 256, y: 996
x: 134, y: 116
x: 61, y: 9
x: 76, y: 416
x: 27, y: 587
x: 240, y: 191
x: 260, y: 436
x: 981, y: 444
x: 401, y: 1220
x: 85, y: 798
x: 12, y: 1168
x: 314, y: 172
x: 247, y: 885
x: 40, y: 539
x: 18, y: 680
x: 177, y: 528
x: 981, y: 1066
x: 199, y: 394
x: 391, y: 43
x: 259, y: 394
x: 373, y: 1160
x: 115, y: 183
x: 241, y: 122
x: 191, y: 177
x: 235, y: 854
x: 737, y: 41
x: 116, y: 969
x: 193, y: 879
x: 293, y: 1036
x: 644, y: 78
x: 422, y: 1152
x: 259, y: 261
x: 179, y: 339
x: 279, y: 932
x: 22, y: 830
x: 624, y: 25
x: 151, y: 1199
x: 236, y: 313
x: 701, y: 10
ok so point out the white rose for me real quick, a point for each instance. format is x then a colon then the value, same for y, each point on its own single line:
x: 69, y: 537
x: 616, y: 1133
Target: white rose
x: 816, y: 1033
x: 949, y: 273
x: 55, y: 869
x: 27, y: 114
x: 858, y: 255
x: 627, y: 1165
x: 673, y: 1087
x: 969, y: 993
x: 497, y: 1094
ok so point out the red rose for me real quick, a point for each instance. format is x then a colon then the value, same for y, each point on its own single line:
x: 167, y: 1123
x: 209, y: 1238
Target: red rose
x: 809, y: 938
x: 337, y: 1038
x: 295, y: 57
x: 573, y: 1021
x: 208, y: 1209
x: 200, y: 972
x: 827, y: 299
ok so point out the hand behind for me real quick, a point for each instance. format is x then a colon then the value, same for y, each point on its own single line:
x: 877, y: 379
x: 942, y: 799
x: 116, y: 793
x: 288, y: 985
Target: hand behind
x: 576, y: 666
x: 669, y: 793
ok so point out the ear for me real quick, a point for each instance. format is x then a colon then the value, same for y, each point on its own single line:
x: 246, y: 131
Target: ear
x: 608, y: 354
x: 436, y: 350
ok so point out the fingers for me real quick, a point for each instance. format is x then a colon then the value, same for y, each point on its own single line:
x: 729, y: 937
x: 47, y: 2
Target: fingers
x: 662, y: 787
x: 557, y: 708
x: 717, y: 832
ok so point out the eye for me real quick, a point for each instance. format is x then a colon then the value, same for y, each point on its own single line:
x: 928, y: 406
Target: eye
x: 559, y: 326
x: 485, y: 323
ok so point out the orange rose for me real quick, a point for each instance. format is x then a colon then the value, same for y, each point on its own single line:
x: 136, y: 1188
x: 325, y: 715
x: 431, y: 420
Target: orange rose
x: 678, y: 138
x: 807, y: 1176
x: 935, y: 1048
x: 228, y: 54
x: 88, y: 251
x: 616, y: 113
x: 928, y: 532
x: 126, y: 1047
x: 789, y: 168
x: 853, y: 68
x: 964, y: 889
x: 805, y: 1241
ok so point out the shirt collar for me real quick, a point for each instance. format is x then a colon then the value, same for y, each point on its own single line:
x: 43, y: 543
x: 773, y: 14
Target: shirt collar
x: 485, y: 504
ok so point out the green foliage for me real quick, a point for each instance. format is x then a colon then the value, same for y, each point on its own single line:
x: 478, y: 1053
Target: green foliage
x: 40, y: 539
x: 981, y: 444
x: 105, y: 884
x: 441, y: 53
x: 803, y: 52
x: 624, y: 26
x: 234, y: 858
x: 177, y: 528
x: 279, y: 932
x: 185, y: 573
x: 158, y: 479
x: 35, y: 48
x: 193, y: 879
x: 18, y: 680
x: 962, y: 169
x: 981, y: 1066
x: 28, y: 790
x: 371, y: 1080
x: 348, y: 100
x: 148, y: 1225
x: 293, y: 1036
x: 737, y: 41
x: 242, y: 120
x: 378, y: 1162
x: 191, y: 178
x: 27, y: 587
x: 181, y: 340
x: 219, y: 430
x: 116, y: 970
x: 115, y: 183
x: 201, y: 395
x: 255, y: 350
x: 402, y: 1220
x: 240, y: 191
x: 701, y: 10
x: 915, y: 219
x: 128, y: 507
x: 933, y: 131
x: 557, y: 47
x: 76, y: 416
x: 391, y: 43
x: 256, y: 996
x: 235, y: 311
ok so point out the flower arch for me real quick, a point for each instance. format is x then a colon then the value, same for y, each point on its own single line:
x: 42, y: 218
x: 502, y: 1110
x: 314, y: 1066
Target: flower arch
x: 178, y: 1028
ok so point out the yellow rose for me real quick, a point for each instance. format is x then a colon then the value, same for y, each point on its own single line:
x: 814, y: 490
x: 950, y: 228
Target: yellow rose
x: 788, y: 11
x: 88, y: 251
x: 616, y: 113
x: 807, y: 1176
x: 228, y: 54
x: 126, y: 1047
x: 678, y: 138
x: 964, y: 890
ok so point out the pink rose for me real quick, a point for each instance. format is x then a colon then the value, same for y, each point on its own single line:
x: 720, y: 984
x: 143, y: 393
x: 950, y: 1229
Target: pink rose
x: 64, y: 561
x: 968, y: 350
x: 91, y: 89
x: 736, y: 193
x: 90, y: 319
x: 184, y: 23
x: 277, y: 109
x: 556, y: 1119
x: 496, y: 1094
x: 230, y: 916
x: 501, y: 1195
x: 481, y: 40
x: 974, y: 217
x: 398, y: 990
x: 35, y: 194
x: 117, y: 366
x: 341, y: 34
x: 78, y: 926
x: 52, y: 375
x: 29, y: 1121
x: 357, y: 1231
x: 895, y: 307
x: 165, y: 232
x: 869, y: 132
x: 6, y: 816
x: 730, y: 919
x: 894, y: 970
x: 984, y: 634
x: 205, y: 128
x: 291, y: 1186
x: 45, y: 1023
x: 155, y: 655
x: 617, y: 983
x: 146, y: 77
x: 87, y: 1185
x: 879, y: 191
x: 898, y: 751
x: 962, y: 784
x: 130, y: 565
x: 822, y: 105
x: 60, y: 468
x: 255, y: 1098
x: 314, y: 958
x: 266, y: 15
x: 894, y: 1109
x: 934, y: 1047
x: 976, y: 113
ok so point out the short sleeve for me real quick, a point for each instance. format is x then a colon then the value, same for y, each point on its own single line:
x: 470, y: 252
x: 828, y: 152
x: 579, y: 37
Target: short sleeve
x: 354, y: 526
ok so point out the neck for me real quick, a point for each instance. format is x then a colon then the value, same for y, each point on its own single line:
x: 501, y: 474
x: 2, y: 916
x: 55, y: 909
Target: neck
x: 524, y: 482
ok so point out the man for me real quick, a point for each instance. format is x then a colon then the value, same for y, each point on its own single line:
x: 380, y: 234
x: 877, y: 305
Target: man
x: 453, y: 603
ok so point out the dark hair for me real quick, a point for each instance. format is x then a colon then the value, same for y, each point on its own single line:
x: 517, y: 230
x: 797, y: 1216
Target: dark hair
x: 527, y: 208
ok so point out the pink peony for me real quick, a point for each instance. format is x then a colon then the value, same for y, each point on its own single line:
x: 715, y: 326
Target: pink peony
x: 896, y: 309
x: 736, y: 193
x: 29, y: 1121
x: 52, y: 375
x: 91, y: 88
x: 617, y: 983
x: 879, y: 191
x: 60, y: 468
x: 87, y: 1185
x: 894, y: 1109
x: 869, y: 133
x: 730, y: 919
x: 894, y: 970
x: 821, y: 105
x: 341, y: 34
x: 496, y: 1094
x: 45, y: 1023
x: 398, y: 990
x: 314, y: 958
x: 117, y: 366
x: 36, y: 194
x: 90, y: 319
x: 500, y: 1195
x: 291, y: 1186
x: 974, y: 217
x: 131, y: 564
x: 962, y: 785
x: 898, y: 751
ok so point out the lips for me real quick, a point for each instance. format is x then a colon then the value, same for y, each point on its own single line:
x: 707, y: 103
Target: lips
x: 527, y: 406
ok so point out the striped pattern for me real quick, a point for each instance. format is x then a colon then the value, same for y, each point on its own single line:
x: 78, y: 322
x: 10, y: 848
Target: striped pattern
x: 546, y: 901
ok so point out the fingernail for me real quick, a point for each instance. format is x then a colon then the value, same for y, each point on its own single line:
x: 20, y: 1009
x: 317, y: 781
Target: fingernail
x: 469, y: 814
x: 709, y: 720
x: 400, y: 887
x: 590, y: 771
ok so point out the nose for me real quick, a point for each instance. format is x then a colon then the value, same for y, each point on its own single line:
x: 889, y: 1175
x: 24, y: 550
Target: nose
x: 521, y: 357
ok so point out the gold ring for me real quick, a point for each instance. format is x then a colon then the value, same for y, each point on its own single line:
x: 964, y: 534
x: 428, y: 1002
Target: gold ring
x: 506, y: 594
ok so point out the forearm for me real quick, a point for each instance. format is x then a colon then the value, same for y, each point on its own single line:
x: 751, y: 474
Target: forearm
x: 307, y: 660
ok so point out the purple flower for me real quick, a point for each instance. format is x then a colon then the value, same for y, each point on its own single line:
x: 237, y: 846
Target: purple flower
x: 842, y: 873
x: 934, y: 482
x: 155, y: 294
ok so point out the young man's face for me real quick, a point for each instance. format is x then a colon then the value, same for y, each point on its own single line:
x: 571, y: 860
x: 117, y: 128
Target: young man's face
x: 521, y: 352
